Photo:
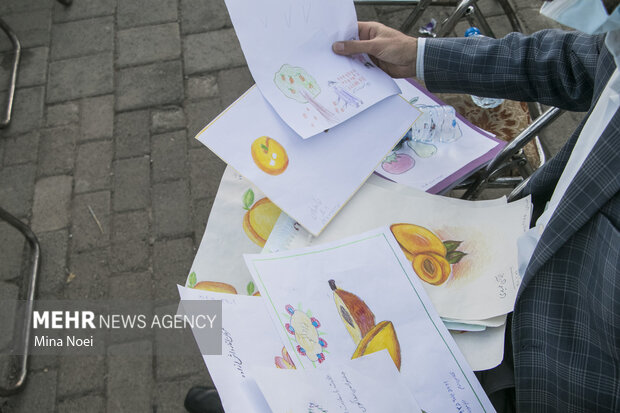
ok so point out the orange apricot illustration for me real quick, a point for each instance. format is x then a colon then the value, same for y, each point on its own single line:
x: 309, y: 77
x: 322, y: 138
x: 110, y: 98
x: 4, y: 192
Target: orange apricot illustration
x: 431, y: 258
x: 260, y: 220
x: 269, y: 155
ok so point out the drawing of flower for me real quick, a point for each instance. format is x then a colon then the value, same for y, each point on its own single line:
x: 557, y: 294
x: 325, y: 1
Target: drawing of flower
x: 304, y: 327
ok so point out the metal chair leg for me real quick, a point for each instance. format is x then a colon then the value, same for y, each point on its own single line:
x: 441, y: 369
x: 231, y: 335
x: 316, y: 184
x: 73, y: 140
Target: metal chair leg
x: 35, y: 256
x: 448, y: 25
x: 415, y: 15
x: 6, y: 119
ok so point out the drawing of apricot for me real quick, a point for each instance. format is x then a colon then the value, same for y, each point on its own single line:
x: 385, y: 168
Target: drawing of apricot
x: 414, y: 239
x: 269, y: 155
x: 216, y: 287
x: 260, y: 220
x: 432, y: 268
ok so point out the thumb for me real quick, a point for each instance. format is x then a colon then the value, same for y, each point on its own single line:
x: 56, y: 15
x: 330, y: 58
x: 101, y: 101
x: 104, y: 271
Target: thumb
x: 352, y: 47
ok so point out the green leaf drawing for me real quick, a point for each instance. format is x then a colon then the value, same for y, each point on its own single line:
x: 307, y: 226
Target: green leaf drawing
x: 452, y: 245
x: 192, y: 280
x: 248, y: 199
x: 250, y: 288
x: 264, y: 147
x: 455, y: 256
x: 309, y: 313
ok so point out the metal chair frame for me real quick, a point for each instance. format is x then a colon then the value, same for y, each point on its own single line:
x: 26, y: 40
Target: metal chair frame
x: 508, y: 158
x: 17, y: 49
x: 24, y: 342
x: 462, y: 8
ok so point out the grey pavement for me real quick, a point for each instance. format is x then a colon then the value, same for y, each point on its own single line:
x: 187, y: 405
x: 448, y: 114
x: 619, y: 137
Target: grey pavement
x: 110, y: 96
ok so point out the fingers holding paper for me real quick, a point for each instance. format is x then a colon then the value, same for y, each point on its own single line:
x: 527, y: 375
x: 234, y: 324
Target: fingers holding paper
x: 391, y: 50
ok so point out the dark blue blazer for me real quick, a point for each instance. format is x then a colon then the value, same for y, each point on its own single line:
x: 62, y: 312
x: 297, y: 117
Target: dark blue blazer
x: 566, y: 321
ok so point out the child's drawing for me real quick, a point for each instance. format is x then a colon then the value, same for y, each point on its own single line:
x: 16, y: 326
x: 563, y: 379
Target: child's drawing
x: 436, y: 124
x: 397, y: 163
x: 305, y: 328
x: 295, y: 83
x: 431, y: 258
x: 215, y: 286
x: 345, y: 97
x: 269, y: 155
x: 423, y: 150
x: 260, y: 218
x: 284, y: 362
x: 359, y: 321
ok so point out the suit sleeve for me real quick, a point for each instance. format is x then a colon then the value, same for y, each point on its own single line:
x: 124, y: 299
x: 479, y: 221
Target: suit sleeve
x: 552, y: 67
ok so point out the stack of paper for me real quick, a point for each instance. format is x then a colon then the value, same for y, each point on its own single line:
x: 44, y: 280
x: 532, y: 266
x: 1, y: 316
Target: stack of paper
x: 355, y: 320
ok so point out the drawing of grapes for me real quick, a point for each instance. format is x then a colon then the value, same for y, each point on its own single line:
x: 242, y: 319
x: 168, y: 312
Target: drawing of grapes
x: 295, y: 83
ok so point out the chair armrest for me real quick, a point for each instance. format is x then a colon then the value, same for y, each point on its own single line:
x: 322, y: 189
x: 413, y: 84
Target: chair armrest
x: 523, y: 139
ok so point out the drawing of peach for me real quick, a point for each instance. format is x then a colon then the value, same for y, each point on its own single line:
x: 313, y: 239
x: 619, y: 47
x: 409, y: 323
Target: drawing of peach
x: 269, y: 155
x: 215, y: 286
x: 431, y: 258
x: 260, y: 220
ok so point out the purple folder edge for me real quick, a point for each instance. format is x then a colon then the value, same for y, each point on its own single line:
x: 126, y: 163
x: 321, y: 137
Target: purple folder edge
x: 467, y: 169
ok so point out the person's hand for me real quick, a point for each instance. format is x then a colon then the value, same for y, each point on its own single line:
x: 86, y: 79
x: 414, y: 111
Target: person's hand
x: 391, y: 50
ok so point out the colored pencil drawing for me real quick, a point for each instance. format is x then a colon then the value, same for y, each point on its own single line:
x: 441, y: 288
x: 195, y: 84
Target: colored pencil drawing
x: 260, y: 218
x: 431, y: 258
x: 436, y: 124
x: 214, y: 286
x: 284, y: 362
x: 359, y: 321
x: 397, y: 163
x: 305, y: 329
x: 297, y: 84
x: 269, y: 155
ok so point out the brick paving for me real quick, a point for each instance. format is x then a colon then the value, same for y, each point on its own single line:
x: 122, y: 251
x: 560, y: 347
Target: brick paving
x: 110, y: 96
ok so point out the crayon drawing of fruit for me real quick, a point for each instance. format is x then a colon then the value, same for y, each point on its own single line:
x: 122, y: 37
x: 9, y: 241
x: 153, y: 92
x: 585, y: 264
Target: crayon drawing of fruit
x: 355, y: 314
x: 381, y: 337
x: 431, y: 258
x: 305, y: 329
x: 360, y: 323
x: 285, y: 362
x: 214, y: 286
x: 269, y: 155
x: 259, y: 219
x: 397, y: 163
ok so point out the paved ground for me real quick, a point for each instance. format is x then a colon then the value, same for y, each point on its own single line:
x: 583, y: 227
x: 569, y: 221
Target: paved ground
x: 111, y: 93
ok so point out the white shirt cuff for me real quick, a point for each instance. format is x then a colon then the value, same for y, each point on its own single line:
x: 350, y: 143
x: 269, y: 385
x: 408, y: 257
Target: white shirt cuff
x: 419, y: 65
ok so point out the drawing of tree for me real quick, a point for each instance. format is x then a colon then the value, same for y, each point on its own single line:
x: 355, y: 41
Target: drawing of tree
x: 295, y: 83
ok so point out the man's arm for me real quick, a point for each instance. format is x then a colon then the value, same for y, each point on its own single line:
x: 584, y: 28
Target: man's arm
x: 552, y: 67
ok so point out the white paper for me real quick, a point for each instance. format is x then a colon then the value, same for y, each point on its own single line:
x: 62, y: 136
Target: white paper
x: 288, y: 47
x: 483, y: 350
x: 367, y: 384
x: 423, y: 165
x: 483, y: 284
x: 230, y: 233
x: 309, y: 179
x: 301, y: 300
x: 249, y: 341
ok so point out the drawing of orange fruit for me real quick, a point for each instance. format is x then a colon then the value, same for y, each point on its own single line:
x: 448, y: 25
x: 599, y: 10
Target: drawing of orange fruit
x: 259, y: 220
x: 430, y: 257
x: 269, y: 155
x: 381, y: 337
x: 215, y: 286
